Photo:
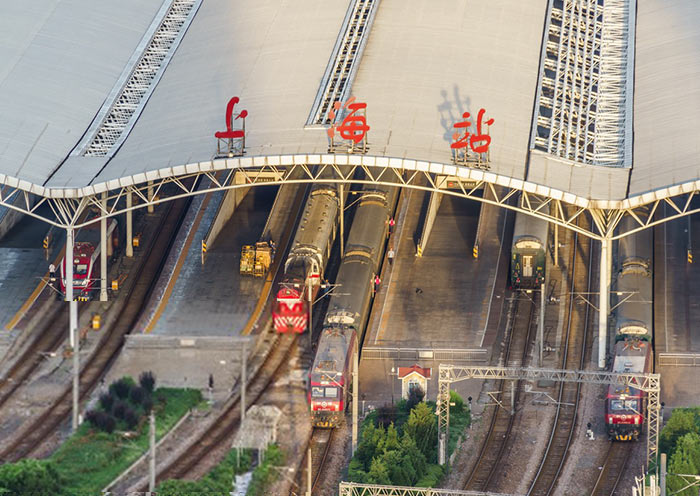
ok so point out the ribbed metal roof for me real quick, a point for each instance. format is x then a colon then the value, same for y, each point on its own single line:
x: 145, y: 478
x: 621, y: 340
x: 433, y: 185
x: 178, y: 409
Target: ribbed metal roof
x: 422, y: 67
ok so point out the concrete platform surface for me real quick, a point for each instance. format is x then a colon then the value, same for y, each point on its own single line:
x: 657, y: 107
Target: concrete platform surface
x: 214, y: 299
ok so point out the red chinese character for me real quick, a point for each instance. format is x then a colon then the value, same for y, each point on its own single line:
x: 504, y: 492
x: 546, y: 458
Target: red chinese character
x: 231, y: 133
x: 354, y: 127
x: 472, y: 139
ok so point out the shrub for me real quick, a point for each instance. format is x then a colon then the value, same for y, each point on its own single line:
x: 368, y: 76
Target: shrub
x: 120, y: 409
x: 120, y: 388
x: 386, y: 415
x: 137, y: 395
x: 106, y: 401
x: 147, y: 404
x: 415, y: 396
x: 91, y: 417
x: 131, y: 419
x: 29, y: 477
x: 109, y: 424
x: 147, y: 381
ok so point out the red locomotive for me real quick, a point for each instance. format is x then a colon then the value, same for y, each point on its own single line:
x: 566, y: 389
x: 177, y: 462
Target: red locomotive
x: 625, y: 407
x: 86, y: 266
x: 290, y: 309
x: 332, y: 370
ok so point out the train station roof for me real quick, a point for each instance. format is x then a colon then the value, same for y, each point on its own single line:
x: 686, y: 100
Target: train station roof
x: 64, y: 65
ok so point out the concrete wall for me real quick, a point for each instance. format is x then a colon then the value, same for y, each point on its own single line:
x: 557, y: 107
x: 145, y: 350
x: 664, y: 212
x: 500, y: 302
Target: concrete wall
x: 182, y: 361
x: 228, y: 205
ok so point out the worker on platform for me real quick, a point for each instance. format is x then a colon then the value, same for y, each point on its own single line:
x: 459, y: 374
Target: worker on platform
x: 390, y: 255
x: 52, y: 275
x: 392, y: 223
x: 377, y: 282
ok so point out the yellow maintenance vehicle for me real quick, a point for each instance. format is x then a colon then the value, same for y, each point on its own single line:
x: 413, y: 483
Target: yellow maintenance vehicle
x: 256, y: 260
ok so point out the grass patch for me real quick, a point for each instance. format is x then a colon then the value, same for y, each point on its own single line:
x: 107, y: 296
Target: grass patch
x: 265, y: 474
x: 218, y: 481
x: 89, y: 459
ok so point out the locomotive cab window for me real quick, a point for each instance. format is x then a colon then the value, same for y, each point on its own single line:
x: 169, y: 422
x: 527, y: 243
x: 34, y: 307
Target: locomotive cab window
x: 331, y: 392
x: 621, y: 405
x: 80, y: 269
x: 317, y: 392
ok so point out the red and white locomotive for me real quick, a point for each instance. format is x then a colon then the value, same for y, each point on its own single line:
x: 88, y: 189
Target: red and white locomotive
x: 625, y: 407
x: 307, y: 260
x: 86, y: 266
x: 330, y: 378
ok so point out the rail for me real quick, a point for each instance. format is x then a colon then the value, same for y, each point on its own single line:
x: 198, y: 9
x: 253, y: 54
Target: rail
x: 440, y: 354
x: 679, y: 359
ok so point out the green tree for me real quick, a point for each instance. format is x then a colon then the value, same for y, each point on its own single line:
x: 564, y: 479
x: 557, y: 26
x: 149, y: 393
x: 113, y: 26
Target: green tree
x: 422, y: 427
x: 371, y: 445
x: 684, y: 460
x: 29, y: 477
x: 682, y: 421
x: 413, y: 459
x: 391, y: 441
x: 378, y: 473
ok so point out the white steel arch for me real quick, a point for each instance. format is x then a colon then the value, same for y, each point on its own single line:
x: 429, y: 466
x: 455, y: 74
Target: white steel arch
x: 151, y: 188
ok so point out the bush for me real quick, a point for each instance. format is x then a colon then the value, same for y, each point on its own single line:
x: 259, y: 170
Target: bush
x: 147, y: 404
x: 147, y: 381
x: 415, y: 396
x: 264, y: 474
x: 109, y: 424
x: 121, y: 388
x: 386, y: 415
x: 91, y: 417
x: 120, y: 409
x: 131, y: 419
x: 29, y: 477
x: 137, y: 395
x: 106, y: 401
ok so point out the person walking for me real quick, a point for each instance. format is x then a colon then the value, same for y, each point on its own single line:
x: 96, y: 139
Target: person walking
x: 390, y: 255
x: 392, y: 223
x: 377, y: 282
x: 52, y: 275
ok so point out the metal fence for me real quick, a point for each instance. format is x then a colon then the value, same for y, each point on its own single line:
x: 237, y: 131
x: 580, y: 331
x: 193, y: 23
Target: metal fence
x: 679, y: 359
x: 450, y: 355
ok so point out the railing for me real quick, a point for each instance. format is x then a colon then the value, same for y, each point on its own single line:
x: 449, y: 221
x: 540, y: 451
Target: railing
x: 437, y: 354
x: 679, y: 359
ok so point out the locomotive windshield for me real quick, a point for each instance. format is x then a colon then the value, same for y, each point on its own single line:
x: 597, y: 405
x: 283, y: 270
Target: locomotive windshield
x: 620, y: 405
x: 80, y: 269
x: 331, y: 392
x: 317, y: 392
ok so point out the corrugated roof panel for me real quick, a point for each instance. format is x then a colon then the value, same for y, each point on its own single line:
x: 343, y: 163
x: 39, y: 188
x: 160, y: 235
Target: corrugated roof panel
x: 56, y: 72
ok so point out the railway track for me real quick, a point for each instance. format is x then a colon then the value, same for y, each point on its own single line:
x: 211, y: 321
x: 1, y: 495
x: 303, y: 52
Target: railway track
x: 219, y: 434
x: 578, y: 340
x: 613, y: 468
x: 516, y: 353
x: 33, y: 435
x: 47, y: 339
x: 318, y: 463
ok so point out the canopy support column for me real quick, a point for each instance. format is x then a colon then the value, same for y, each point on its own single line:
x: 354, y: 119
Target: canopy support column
x: 604, y: 300
x: 129, y: 226
x: 103, y: 251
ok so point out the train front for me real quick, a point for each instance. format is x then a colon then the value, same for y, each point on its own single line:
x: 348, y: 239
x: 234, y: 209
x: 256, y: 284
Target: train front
x: 289, y: 310
x: 82, y: 270
x: 528, y: 253
x: 625, y: 407
x: 329, y: 376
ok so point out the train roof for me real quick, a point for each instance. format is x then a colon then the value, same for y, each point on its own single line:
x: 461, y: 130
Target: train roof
x: 333, y: 347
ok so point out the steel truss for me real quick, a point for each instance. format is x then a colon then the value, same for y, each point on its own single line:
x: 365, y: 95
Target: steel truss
x: 353, y: 489
x: 650, y: 383
x: 153, y: 188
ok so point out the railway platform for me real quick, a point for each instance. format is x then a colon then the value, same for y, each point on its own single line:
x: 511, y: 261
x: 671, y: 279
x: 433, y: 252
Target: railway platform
x: 677, y: 312
x: 443, y: 306
x: 210, y: 299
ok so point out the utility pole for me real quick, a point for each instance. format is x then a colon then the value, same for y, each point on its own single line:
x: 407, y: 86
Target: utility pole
x: 152, y: 461
x: 355, y: 392
x: 309, y: 478
x: 73, y: 324
x: 244, y: 379
x: 311, y: 312
x: 540, y: 331
x: 604, y: 304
